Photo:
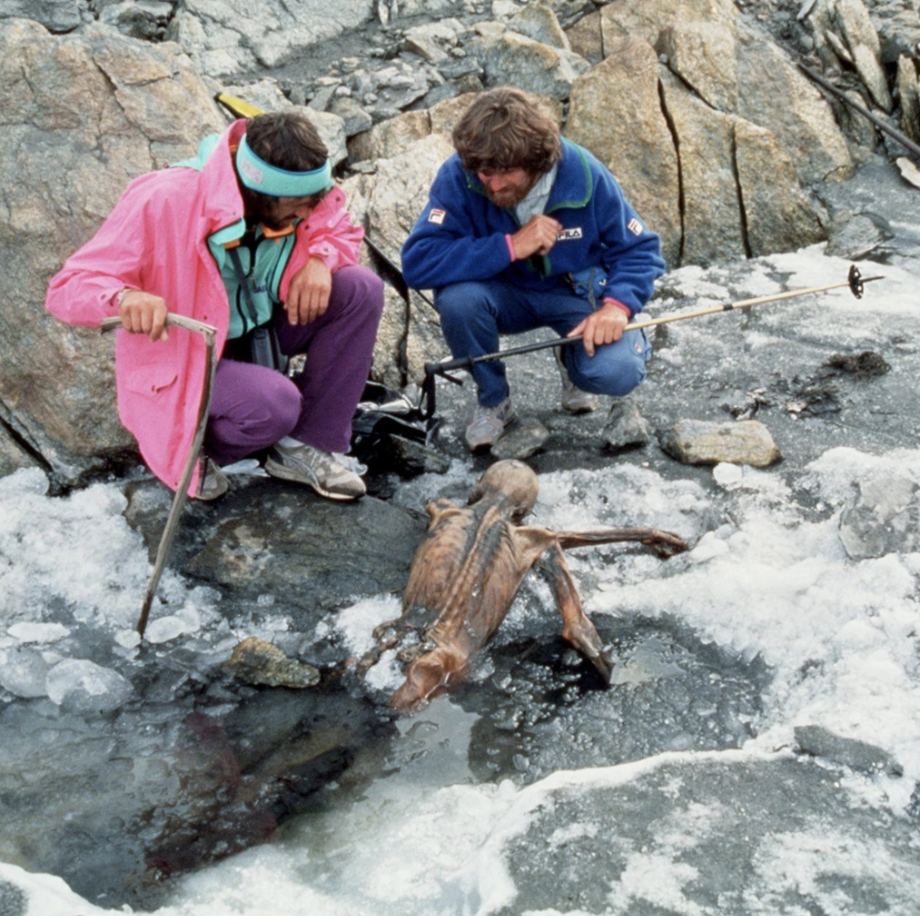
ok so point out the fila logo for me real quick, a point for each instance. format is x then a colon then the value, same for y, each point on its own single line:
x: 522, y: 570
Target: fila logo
x: 635, y: 227
x: 567, y: 234
x: 437, y: 216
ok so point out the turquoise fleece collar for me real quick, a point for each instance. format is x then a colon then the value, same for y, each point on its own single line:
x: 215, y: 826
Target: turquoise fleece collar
x: 258, y: 175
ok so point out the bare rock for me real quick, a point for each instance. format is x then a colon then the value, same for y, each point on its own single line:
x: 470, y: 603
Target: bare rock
x: 410, y: 458
x: 909, y: 171
x: 261, y: 664
x: 626, y: 427
x: 54, y: 15
x: 276, y: 539
x: 704, y: 55
x: 433, y: 40
x: 713, y: 227
x: 586, y: 38
x: 223, y: 37
x: 266, y: 95
x: 628, y: 132
x: 82, y: 115
x: 12, y: 455
x: 909, y: 94
x: 699, y: 442
x: 778, y: 215
x: 853, y: 21
x: 519, y: 61
x: 389, y: 201
x: 707, y: 34
x: 389, y: 138
x: 355, y: 119
x: 539, y: 22
x: 521, y: 440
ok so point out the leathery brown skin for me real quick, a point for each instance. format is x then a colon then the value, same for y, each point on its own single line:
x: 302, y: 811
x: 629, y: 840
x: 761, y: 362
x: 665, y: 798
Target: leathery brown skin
x: 469, y: 568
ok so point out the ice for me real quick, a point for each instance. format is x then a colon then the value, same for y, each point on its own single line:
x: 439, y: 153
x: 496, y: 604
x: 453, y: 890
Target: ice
x: 23, y: 672
x: 38, y: 632
x: 165, y: 629
x: 78, y: 552
x: 767, y: 578
x: 728, y: 475
x: 357, y: 623
x: 85, y: 687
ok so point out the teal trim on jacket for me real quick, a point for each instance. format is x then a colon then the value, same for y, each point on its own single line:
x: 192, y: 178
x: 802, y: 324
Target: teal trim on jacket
x: 263, y: 259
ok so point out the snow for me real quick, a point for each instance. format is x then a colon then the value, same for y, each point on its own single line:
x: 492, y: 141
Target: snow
x: 839, y: 635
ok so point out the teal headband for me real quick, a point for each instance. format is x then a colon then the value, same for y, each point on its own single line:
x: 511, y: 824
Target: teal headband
x: 259, y: 175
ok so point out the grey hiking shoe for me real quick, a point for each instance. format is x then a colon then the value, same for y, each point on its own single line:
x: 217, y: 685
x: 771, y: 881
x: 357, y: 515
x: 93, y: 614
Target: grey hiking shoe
x: 212, y: 482
x: 488, y: 424
x: 322, y: 471
x: 574, y: 400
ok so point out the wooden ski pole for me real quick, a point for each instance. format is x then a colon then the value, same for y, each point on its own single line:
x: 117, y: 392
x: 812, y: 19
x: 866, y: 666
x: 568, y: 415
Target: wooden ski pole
x: 172, y: 521
x: 854, y: 281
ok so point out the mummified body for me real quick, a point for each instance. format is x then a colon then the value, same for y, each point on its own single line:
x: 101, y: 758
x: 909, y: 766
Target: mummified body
x: 469, y: 568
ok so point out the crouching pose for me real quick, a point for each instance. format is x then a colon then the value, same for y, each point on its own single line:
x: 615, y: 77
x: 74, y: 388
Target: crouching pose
x: 524, y: 229
x: 252, y: 234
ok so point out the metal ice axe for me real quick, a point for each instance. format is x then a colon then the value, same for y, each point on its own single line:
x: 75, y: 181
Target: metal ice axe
x: 854, y: 281
x: 172, y: 521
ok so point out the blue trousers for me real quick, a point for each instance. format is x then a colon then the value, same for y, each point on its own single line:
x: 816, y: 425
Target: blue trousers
x: 474, y: 313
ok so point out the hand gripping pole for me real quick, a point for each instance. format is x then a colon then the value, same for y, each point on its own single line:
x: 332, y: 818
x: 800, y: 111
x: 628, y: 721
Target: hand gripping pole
x: 172, y: 522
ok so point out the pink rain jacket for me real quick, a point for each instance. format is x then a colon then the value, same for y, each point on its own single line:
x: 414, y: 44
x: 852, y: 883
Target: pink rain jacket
x: 156, y: 240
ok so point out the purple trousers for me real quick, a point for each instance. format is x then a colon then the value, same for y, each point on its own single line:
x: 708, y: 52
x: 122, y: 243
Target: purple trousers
x: 252, y: 407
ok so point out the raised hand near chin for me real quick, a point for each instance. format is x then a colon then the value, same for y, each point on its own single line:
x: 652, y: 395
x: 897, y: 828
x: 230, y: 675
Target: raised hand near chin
x: 536, y: 236
x: 308, y: 294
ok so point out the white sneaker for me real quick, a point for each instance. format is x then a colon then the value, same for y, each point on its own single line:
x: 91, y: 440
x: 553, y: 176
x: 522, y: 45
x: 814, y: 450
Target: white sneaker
x: 315, y: 468
x: 488, y: 424
x: 574, y: 400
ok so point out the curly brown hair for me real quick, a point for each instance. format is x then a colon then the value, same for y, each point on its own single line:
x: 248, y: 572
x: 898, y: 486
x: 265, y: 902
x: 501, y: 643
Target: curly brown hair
x: 506, y: 128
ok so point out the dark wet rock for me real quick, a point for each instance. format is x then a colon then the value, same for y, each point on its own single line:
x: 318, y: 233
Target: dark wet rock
x: 549, y: 710
x: 13, y: 901
x: 884, y: 519
x: 521, y: 440
x: 257, y: 662
x: 725, y: 828
x: 410, y: 458
x: 626, y: 427
x: 268, y: 537
x: 857, y: 755
x: 126, y: 805
x: 701, y: 442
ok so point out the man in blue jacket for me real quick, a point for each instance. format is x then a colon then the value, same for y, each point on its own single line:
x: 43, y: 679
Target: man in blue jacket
x: 524, y: 229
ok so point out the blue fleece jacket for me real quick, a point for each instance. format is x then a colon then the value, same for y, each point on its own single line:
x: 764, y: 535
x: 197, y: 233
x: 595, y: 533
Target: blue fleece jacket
x: 460, y: 234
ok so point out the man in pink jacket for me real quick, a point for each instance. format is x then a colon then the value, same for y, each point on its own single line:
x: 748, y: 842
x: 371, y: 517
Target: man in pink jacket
x: 250, y: 233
